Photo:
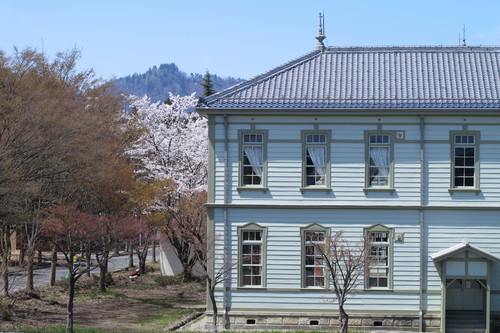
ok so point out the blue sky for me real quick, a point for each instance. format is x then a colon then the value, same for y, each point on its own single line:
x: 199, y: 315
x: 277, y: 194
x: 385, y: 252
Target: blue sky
x: 239, y: 38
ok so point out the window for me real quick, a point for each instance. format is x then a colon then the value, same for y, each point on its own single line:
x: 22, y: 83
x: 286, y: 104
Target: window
x: 379, y: 240
x: 316, y: 164
x: 379, y: 170
x: 252, y: 159
x: 251, y: 255
x: 464, y: 161
x: 314, y: 241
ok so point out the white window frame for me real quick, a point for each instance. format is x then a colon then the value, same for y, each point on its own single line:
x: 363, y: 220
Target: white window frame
x: 247, y: 169
x: 379, y: 142
x: 461, y: 142
x: 374, y: 245
x: 244, y: 264
x: 320, y: 270
x: 311, y: 141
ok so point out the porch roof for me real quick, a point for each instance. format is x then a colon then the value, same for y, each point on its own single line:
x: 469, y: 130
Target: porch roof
x: 455, y: 249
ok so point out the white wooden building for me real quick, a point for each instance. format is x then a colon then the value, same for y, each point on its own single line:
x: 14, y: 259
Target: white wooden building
x: 401, y: 144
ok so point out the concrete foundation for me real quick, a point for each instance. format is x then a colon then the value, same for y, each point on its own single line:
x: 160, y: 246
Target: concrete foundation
x: 327, y: 322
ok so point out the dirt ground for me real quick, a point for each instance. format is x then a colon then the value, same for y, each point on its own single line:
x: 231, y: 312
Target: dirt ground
x: 128, y: 306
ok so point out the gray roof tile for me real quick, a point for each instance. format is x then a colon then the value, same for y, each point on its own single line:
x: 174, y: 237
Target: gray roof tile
x: 374, y: 78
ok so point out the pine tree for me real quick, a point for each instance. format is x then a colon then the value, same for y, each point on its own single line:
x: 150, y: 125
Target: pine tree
x: 207, y: 85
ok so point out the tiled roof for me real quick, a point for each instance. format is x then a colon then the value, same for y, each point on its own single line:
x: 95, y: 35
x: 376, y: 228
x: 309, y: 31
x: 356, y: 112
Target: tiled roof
x: 374, y: 78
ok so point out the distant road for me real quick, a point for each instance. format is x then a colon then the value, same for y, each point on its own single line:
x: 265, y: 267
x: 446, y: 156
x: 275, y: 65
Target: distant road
x: 17, y: 280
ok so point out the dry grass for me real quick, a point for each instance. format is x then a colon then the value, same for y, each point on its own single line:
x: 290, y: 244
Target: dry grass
x: 129, y: 306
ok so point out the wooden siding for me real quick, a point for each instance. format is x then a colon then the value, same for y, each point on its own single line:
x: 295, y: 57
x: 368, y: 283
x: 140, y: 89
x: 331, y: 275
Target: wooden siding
x: 284, y: 164
x: 449, y: 217
x: 444, y: 228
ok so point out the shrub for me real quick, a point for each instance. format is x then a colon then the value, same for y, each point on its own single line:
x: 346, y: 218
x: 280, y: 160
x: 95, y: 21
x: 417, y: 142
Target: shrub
x: 164, y: 281
x: 5, y: 311
x: 108, y: 279
x: 62, y: 283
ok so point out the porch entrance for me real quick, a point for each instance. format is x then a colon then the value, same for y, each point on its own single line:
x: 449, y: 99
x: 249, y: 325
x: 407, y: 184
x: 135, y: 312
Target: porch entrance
x: 465, y: 288
x: 464, y: 294
x: 465, y: 305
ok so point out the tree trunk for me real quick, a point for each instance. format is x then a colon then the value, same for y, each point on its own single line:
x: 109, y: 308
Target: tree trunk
x: 211, y: 291
x: 343, y: 320
x: 29, y: 270
x: 71, y: 296
x: 187, y: 270
x: 53, y: 267
x: 130, y: 255
x: 40, y: 256
x: 141, y: 256
x: 5, y: 274
x: 21, y: 257
x: 103, y: 266
x: 88, y: 258
x: 5, y: 257
x: 154, y: 251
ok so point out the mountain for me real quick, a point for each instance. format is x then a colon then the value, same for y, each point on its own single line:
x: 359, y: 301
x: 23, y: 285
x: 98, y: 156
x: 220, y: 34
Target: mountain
x: 157, y: 82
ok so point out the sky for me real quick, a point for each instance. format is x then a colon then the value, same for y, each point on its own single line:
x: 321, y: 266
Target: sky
x: 238, y: 38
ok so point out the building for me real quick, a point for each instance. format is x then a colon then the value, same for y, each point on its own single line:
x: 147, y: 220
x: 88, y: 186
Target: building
x: 397, y: 144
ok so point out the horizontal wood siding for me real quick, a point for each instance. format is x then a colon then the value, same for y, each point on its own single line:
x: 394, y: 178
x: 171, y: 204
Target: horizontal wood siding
x: 284, y: 160
x: 450, y: 217
x: 283, y: 257
x: 449, y: 228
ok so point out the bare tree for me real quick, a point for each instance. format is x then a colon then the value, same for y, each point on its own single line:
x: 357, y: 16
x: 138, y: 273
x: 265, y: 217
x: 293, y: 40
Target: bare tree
x: 111, y: 231
x: 58, y: 128
x: 346, y: 263
x: 186, y: 228
x: 71, y: 232
x: 215, y: 270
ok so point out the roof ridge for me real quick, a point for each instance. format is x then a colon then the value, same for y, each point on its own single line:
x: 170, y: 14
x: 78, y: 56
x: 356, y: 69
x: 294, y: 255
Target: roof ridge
x: 440, y: 48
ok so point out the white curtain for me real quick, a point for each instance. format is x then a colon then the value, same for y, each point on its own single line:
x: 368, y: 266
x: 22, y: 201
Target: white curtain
x: 318, y: 157
x: 380, y: 160
x: 255, y: 157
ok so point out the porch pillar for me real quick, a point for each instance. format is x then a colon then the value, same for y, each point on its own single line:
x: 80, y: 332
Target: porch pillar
x: 443, y: 298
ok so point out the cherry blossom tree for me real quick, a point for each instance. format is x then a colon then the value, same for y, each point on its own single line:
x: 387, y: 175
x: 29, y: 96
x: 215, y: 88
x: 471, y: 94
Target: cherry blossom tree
x: 174, y: 140
x: 173, y: 145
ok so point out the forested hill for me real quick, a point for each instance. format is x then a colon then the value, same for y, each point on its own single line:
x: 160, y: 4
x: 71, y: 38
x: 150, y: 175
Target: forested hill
x: 157, y: 82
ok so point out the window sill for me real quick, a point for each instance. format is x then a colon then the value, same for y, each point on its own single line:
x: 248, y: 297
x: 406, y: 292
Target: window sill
x: 379, y: 189
x: 251, y: 288
x: 316, y: 189
x: 380, y: 289
x: 252, y: 188
x: 313, y: 289
x: 464, y: 190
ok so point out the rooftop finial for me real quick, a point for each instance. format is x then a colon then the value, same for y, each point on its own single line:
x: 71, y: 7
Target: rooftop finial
x: 463, y: 38
x: 321, y: 35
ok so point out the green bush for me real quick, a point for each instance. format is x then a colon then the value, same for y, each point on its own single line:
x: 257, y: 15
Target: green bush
x: 150, y: 268
x: 179, y: 277
x: 5, y: 311
x: 108, y: 280
x: 164, y: 281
